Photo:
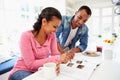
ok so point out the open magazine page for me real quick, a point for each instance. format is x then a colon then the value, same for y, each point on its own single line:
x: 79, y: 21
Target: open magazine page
x: 79, y: 69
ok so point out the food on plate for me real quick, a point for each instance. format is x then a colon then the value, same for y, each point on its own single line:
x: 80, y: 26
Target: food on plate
x: 90, y: 52
x: 109, y: 40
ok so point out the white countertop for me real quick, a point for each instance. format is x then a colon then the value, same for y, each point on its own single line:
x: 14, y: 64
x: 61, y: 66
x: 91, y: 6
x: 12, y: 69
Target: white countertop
x: 108, y: 70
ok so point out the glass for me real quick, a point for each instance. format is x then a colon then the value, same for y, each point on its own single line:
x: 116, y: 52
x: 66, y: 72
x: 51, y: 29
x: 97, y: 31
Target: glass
x: 99, y: 48
x: 108, y: 51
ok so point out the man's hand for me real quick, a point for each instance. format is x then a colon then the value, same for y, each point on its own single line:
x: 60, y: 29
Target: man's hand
x: 75, y: 50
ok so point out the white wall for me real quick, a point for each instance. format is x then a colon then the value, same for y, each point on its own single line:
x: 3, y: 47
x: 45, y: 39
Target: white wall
x: 73, y: 5
x: 17, y: 16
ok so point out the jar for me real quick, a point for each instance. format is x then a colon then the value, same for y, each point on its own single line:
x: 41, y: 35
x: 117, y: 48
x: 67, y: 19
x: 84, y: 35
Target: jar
x: 108, y: 51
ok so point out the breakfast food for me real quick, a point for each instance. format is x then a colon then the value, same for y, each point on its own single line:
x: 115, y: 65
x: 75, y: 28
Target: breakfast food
x: 109, y: 40
x: 90, y: 52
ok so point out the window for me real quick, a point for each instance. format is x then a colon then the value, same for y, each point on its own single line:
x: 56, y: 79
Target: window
x: 94, y: 22
x: 107, y: 11
x: 17, y: 16
x: 104, y: 21
x: 106, y: 25
x: 117, y: 24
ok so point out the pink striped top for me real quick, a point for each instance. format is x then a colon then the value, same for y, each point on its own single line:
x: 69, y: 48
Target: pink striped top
x: 33, y: 55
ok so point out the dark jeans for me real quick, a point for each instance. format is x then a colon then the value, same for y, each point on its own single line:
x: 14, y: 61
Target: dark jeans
x: 19, y: 75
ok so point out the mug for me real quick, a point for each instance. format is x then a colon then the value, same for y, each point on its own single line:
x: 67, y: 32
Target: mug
x: 49, y: 70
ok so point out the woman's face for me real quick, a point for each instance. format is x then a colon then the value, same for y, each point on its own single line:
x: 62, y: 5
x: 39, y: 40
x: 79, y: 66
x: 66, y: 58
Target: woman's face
x: 52, y: 26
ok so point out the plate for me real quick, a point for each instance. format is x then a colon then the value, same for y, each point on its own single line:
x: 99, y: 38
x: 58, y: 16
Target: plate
x: 92, y: 53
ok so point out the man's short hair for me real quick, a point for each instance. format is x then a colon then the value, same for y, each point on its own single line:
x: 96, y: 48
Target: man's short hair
x: 86, y: 8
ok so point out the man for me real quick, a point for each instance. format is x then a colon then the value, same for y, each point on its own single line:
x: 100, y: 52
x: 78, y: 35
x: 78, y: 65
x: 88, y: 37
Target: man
x: 73, y: 29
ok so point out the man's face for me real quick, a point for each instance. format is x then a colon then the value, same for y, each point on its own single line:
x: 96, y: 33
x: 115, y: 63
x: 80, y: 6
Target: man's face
x: 80, y: 18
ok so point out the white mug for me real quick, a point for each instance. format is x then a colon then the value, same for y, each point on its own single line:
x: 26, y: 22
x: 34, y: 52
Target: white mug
x: 49, y: 70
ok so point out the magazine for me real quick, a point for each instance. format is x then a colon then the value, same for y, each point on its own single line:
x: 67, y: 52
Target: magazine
x: 78, y: 69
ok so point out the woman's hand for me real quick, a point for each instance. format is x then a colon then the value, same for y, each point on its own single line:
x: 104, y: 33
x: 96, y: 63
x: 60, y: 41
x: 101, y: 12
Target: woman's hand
x: 64, y: 58
x: 57, y: 68
x: 67, y: 56
x: 70, y: 54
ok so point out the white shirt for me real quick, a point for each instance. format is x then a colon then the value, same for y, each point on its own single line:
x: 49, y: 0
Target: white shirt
x: 71, y: 36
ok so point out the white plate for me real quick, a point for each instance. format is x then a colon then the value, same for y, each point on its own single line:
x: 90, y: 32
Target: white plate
x: 93, y: 55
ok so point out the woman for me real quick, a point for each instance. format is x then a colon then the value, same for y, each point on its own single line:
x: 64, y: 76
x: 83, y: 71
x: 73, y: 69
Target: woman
x: 39, y: 46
